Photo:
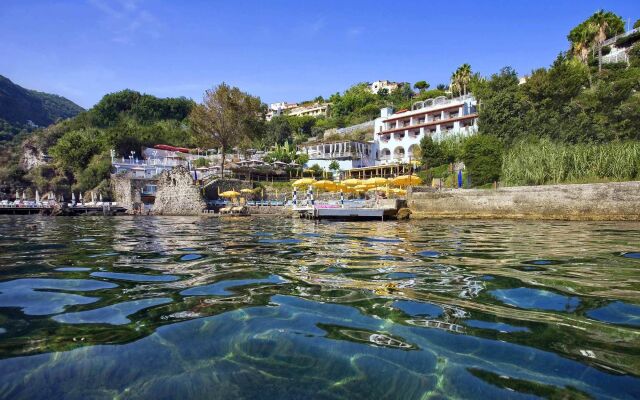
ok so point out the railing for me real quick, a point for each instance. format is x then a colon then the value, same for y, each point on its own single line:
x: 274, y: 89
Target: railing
x: 620, y: 56
x: 439, y: 101
x: 613, y: 39
x: 150, y: 162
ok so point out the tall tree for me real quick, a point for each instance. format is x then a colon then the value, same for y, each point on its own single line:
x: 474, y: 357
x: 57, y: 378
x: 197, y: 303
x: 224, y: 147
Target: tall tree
x: 461, y: 78
x: 593, y: 32
x: 605, y: 25
x: 421, y: 86
x: 226, y: 118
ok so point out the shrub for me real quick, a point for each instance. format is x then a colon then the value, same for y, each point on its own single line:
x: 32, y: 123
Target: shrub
x: 201, y: 162
x: 482, y: 155
x: 432, y: 152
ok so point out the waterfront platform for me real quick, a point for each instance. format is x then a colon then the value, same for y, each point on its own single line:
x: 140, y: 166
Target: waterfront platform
x: 383, y: 210
x: 68, y: 211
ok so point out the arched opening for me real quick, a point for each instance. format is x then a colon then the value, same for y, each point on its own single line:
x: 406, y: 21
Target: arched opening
x: 386, y: 154
x: 398, y: 153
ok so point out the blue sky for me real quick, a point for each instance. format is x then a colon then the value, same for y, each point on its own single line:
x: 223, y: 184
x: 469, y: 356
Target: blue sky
x: 278, y: 50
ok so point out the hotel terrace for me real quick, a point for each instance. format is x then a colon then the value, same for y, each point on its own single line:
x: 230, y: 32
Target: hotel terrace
x: 347, y: 153
x: 397, y: 135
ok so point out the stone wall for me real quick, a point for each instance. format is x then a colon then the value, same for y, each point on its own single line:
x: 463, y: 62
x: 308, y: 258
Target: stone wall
x: 126, y: 191
x: 601, y: 201
x: 177, y: 194
x: 271, y: 210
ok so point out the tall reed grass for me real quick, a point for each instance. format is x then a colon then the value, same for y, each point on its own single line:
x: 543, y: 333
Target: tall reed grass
x: 545, y: 162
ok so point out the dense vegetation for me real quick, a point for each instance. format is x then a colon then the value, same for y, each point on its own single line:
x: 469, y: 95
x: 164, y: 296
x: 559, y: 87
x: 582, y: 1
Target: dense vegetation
x: 80, y: 147
x: 546, y: 162
x: 23, y: 110
x: 577, y: 120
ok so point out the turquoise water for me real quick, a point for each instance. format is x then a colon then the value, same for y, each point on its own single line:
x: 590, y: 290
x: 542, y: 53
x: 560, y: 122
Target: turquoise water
x: 167, y: 308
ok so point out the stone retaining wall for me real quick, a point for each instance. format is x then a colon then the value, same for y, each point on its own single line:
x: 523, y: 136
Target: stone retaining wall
x: 601, y: 201
x: 273, y: 210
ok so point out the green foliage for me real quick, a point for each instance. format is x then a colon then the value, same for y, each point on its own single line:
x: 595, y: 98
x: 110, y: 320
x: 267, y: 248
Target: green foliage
x: 593, y: 31
x: 201, y: 162
x: 432, y: 153
x: 98, y: 170
x: 502, y: 108
x: 334, y: 166
x: 482, y: 156
x: 123, y: 121
x: 421, y: 85
x: 636, y: 24
x: 461, y: 80
x: 142, y: 108
x: 545, y: 162
x: 24, y: 110
x: 316, y: 169
x: 75, y: 149
x: 286, y: 153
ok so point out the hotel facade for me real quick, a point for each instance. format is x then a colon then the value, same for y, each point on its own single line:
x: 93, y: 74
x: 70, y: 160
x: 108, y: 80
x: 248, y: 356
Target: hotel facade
x: 398, y: 135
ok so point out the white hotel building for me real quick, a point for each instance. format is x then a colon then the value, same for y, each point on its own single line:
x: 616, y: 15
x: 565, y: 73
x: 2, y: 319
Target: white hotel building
x: 397, y: 135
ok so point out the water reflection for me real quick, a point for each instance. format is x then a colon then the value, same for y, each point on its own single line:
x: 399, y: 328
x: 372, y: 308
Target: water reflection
x: 463, y: 309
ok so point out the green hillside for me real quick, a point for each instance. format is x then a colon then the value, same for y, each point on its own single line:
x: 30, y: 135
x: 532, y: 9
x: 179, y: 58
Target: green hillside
x: 24, y: 110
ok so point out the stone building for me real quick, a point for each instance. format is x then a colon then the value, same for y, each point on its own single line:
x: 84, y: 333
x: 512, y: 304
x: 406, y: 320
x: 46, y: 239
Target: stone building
x: 127, y: 191
x: 178, y: 194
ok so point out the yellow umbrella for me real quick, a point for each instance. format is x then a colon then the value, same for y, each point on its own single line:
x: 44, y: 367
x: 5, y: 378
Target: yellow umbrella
x: 304, y: 182
x: 230, y: 194
x: 361, y: 188
x: 324, y: 184
x: 352, y: 182
x: 406, y: 180
x: 376, y: 181
x: 399, y: 192
x: 246, y: 190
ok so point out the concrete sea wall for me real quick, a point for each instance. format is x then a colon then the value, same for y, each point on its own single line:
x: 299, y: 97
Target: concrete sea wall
x: 601, y: 201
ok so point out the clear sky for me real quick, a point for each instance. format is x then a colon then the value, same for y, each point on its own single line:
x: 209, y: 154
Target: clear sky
x: 278, y: 50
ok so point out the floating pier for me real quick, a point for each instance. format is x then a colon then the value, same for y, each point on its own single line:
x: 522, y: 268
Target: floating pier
x: 387, y: 209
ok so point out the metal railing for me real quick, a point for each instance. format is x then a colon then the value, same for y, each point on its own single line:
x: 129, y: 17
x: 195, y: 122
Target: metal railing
x: 620, y: 56
x: 615, y: 38
x: 439, y: 101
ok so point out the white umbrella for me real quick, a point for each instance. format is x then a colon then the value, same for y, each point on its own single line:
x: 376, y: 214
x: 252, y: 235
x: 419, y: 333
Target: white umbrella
x: 37, y: 196
x: 100, y: 197
x: 81, y: 201
x: 24, y: 196
x: 17, y: 195
x: 93, y: 197
x: 73, y: 197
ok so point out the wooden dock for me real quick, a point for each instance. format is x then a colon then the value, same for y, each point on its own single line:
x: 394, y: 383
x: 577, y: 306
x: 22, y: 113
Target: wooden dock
x: 68, y: 211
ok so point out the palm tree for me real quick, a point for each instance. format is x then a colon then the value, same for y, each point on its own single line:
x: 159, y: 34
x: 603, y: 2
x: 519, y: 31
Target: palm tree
x: 580, y: 38
x: 461, y: 78
x: 604, y: 25
x: 593, y: 32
